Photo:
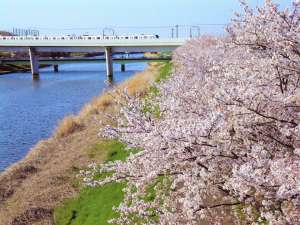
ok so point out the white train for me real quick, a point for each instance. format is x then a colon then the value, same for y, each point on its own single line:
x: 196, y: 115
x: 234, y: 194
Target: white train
x: 86, y: 37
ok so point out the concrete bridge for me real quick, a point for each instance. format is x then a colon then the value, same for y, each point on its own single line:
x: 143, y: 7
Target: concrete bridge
x: 107, y: 46
x: 68, y: 60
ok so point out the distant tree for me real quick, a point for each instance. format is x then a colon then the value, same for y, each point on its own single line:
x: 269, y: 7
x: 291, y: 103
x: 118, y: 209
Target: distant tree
x: 5, y: 54
x: 5, y: 33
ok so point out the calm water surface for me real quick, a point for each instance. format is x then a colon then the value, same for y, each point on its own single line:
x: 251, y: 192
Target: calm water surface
x: 29, y: 109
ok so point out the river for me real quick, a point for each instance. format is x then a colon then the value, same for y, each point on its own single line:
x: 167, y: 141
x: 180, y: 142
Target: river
x: 30, y: 109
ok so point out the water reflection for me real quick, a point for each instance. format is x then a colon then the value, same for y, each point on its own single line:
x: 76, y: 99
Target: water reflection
x: 36, y: 84
x: 36, y: 77
x: 111, y: 80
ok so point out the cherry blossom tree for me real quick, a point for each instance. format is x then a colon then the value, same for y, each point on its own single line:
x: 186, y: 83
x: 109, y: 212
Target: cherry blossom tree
x: 227, y: 134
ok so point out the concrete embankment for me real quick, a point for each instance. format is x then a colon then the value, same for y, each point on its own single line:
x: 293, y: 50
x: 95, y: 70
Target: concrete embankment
x: 22, y: 68
x: 31, y: 188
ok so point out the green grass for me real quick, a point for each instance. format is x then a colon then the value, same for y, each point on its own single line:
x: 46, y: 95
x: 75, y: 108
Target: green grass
x: 94, y: 205
x: 163, y: 74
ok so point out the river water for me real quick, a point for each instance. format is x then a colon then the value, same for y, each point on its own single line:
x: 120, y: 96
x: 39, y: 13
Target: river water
x: 30, y: 109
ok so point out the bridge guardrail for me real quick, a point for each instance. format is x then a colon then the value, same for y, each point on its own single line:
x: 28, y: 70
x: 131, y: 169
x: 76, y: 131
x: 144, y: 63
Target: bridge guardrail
x: 82, y: 58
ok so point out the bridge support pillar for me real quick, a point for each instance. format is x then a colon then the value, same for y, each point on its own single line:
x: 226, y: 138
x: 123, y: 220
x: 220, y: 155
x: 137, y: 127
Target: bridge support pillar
x: 109, y: 61
x: 122, y: 67
x: 34, y: 61
x: 55, y: 68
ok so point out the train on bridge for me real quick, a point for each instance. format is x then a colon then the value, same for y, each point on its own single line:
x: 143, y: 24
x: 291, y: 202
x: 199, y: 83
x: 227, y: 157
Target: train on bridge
x: 108, y: 44
x: 84, y: 37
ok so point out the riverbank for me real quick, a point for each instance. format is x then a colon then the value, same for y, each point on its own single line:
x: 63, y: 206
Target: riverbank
x: 11, y: 68
x: 31, y: 188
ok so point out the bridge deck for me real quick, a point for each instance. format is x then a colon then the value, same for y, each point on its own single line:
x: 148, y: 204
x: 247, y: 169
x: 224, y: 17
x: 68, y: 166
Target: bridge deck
x: 94, y: 45
x: 109, y: 46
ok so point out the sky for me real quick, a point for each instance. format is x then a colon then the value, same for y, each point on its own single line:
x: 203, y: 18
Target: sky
x: 93, y: 17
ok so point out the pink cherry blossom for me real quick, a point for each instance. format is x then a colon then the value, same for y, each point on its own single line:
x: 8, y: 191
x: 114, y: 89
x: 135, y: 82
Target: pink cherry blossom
x: 228, y: 131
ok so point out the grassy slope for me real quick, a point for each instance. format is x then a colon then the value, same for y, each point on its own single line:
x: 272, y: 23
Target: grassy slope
x: 32, y: 187
x: 94, y: 205
x: 85, y: 208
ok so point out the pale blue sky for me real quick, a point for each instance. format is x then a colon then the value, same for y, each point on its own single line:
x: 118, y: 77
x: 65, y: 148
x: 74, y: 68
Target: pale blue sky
x: 121, y: 15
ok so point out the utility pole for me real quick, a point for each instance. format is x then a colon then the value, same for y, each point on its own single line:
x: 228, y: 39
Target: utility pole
x: 176, y: 31
x: 192, y: 27
x: 172, y: 32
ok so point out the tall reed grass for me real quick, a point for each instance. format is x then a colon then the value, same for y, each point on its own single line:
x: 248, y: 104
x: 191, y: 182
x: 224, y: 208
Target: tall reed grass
x: 141, y: 81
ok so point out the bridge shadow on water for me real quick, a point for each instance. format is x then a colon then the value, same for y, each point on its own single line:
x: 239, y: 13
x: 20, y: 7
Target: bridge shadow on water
x: 94, y: 67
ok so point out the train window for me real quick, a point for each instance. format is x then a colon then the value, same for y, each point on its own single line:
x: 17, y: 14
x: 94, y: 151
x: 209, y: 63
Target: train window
x: 98, y: 37
x: 4, y: 38
x: 62, y: 38
x: 89, y: 38
x: 54, y: 38
x: 21, y: 38
x: 135, y: 37
x: 126, y: 37
x: 71, y: 37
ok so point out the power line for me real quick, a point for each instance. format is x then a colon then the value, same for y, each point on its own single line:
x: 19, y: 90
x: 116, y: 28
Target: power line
x: 161, y: 27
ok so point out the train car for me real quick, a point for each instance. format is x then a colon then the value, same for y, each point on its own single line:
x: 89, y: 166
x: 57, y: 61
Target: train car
x: 82, y: 37
x: 138, y: 36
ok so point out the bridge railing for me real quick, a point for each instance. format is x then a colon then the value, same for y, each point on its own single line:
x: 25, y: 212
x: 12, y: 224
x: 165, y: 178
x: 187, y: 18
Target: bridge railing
x: 84, y: 58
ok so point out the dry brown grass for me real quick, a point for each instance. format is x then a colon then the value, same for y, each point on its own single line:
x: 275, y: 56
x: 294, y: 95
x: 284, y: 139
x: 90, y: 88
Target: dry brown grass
x: 140, y: 81
x: 67, y: 126
x: 31, y: 188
